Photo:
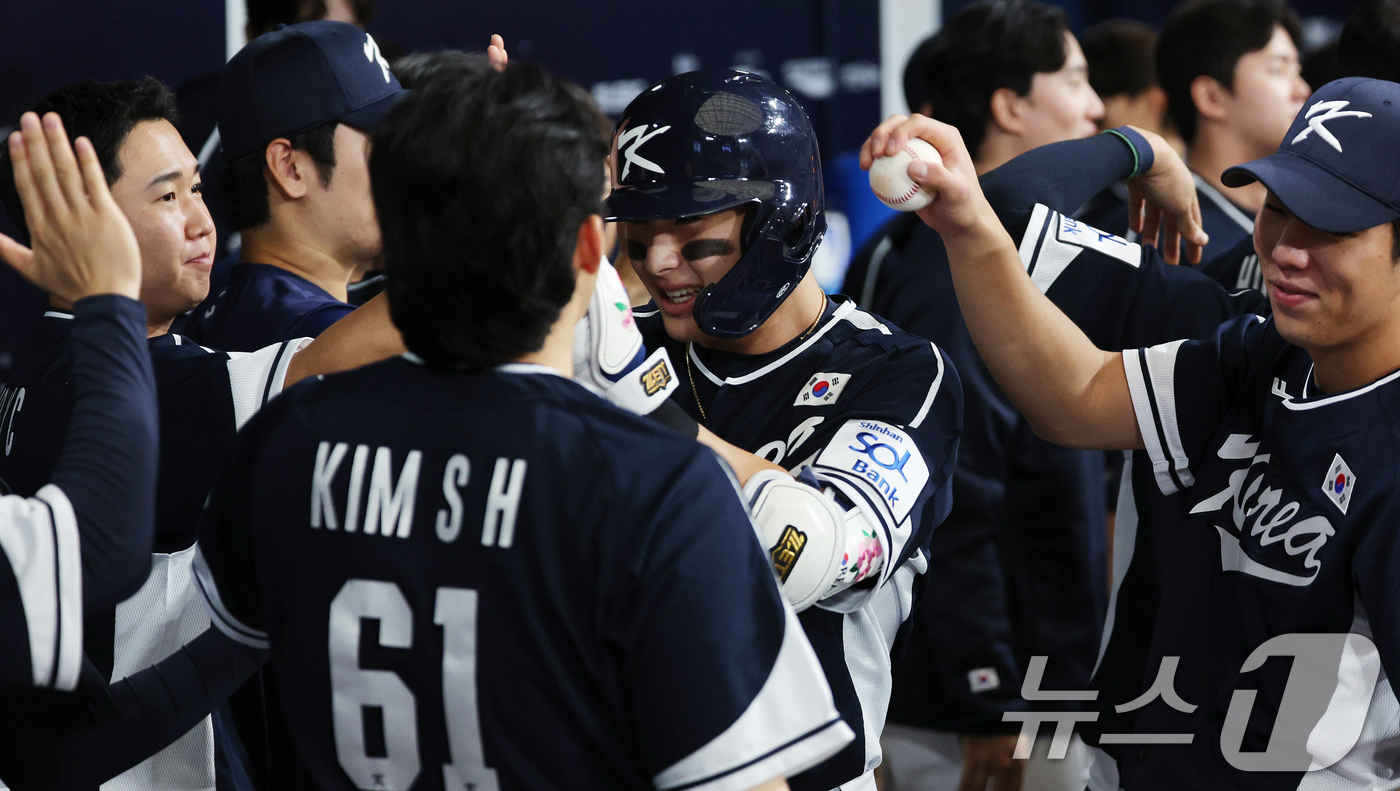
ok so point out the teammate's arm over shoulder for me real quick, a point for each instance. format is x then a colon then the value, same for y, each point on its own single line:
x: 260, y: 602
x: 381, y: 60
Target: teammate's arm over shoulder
x: 1072, y: 392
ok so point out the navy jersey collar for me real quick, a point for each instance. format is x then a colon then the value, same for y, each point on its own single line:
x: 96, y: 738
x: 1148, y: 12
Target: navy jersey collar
x: 722, y: 367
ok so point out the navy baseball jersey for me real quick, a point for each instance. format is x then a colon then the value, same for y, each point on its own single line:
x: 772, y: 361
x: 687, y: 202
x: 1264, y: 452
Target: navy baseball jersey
x: 1251, y: 630
x: 1226, y: 224
x: 876, y: 413
x: 204, y: 396
x: 1018, y: 568
x: 520, y: 585
x: 262, y: 305
x: 1256, y: 535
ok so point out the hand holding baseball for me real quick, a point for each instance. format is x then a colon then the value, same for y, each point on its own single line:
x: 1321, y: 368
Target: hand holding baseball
x: 954, y: 204
x: 889, y: 176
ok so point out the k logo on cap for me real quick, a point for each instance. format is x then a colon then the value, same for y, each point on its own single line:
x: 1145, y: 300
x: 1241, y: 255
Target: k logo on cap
x: 1336, y: 169
x: 1329, y: 110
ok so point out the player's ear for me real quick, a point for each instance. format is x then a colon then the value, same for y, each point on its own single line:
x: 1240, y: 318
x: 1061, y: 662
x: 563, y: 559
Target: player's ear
x: 1210, y: 97
x: 286, y: 169
x: 1006, y: 111
x: 588, y: 247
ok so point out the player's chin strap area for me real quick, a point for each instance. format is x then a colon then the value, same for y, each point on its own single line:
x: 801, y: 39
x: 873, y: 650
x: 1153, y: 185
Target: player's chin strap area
x: 609, y: 356
x: 819, y: 545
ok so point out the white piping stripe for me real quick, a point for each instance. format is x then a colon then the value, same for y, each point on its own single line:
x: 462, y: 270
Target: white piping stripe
x: 1147, y: 426
x: 57, y: 314
x: 219, y: 614
x: 1161, y: 366
x: 69, y: 596
x: 932, y: 391
x: 1294, y: 405
x: 842, y: 311
x: 1034, y: 230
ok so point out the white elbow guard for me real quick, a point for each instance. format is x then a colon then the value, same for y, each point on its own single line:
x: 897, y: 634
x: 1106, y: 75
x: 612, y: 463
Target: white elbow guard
x: 609, y: 355
x: 818, y: 547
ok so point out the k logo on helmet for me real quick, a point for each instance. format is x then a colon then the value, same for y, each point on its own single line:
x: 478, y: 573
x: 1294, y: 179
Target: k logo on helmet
x: 629, y: 142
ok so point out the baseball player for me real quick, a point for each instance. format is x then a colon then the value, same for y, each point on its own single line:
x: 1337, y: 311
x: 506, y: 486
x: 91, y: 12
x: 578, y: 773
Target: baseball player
x: 84, y: 538
x: 1233, y: 82
x: 1018, y: 569
x: 520, y: 586
x: 842, y: 427
x: 1254, y: 533
x: 296, y: 107
x: 204, y: 396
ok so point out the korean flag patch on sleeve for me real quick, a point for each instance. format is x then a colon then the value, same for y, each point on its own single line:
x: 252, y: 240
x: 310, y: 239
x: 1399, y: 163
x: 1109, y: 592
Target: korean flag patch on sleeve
x: 823, y: 388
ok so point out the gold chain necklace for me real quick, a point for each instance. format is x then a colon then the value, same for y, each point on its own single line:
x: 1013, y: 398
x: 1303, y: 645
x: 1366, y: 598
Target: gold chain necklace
x: 690, y: 373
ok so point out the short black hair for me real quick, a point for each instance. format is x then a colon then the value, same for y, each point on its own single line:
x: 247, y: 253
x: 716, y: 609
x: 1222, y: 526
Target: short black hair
x: 480, y: 187
x: 417, y: 69
x: 985, y: 47
x: 1208, y: 38
x: 245, y: 185
x: 103, y: 112
x: 264, y: 15
x: 1120, y: 55
x: 1370, y: 41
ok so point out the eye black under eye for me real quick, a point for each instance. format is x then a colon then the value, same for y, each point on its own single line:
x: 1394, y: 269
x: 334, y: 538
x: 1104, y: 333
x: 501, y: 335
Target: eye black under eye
x: 706, y: 248
x: 635, y: 250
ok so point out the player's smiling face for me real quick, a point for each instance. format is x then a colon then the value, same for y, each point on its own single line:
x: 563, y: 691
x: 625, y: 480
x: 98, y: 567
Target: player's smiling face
x: 1336, y: 295
x: 160, y: 193
x: 675, y: 259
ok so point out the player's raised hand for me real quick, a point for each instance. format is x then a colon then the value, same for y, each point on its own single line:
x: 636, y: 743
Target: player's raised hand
x: 960, y: 207
x: 1164, y: 198
x: 496, y: 53
x: 82, y: 243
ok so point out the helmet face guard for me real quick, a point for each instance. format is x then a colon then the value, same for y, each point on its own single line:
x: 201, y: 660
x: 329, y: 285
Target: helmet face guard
x: 707, y: 141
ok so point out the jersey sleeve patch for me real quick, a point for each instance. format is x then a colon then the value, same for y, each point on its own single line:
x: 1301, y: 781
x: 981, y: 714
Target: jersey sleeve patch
x: 1052, y: 241
x: 884, y: 459
x: 39, y: 537
x: 791, y: 725
x: 1073, y: 232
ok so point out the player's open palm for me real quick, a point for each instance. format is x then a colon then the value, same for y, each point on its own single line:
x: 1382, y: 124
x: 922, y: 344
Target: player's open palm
x: 81, y: 242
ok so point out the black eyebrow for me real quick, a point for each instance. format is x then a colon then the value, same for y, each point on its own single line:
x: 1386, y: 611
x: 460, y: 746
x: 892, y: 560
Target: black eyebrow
x: 171, y: 175
x: 706, y: 248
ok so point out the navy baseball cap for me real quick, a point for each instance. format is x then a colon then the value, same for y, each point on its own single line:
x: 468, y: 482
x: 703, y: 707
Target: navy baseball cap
x: 298, y: 77
x: 1337, y: 168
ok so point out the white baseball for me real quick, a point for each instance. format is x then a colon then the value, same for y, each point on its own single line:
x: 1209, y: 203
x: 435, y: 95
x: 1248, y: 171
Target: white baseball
x: 889, y: 177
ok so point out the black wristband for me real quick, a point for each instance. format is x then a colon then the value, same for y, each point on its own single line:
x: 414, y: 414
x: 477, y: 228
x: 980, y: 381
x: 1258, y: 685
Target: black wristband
x: 673, y: 417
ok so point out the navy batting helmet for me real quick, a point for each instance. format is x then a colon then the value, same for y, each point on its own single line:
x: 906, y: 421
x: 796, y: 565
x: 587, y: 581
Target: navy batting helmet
x: 707, y: 141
